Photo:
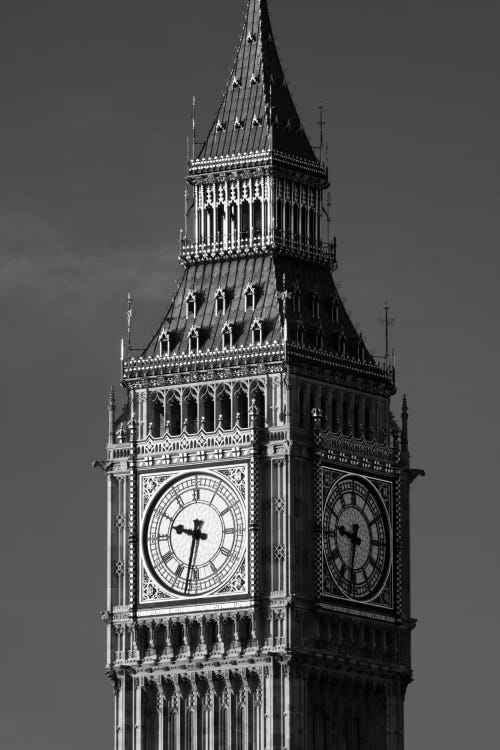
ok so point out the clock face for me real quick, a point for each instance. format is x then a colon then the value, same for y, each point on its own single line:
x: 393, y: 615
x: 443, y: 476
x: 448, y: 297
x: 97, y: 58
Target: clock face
x: 356, y: 539
x: 194, y: 534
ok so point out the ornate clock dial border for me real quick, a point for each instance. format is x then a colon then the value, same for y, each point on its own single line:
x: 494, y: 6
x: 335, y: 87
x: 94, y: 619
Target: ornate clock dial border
x: 207, y: 553
x: 357, y: 547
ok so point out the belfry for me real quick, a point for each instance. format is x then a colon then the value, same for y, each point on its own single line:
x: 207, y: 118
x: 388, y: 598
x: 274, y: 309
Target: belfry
x: 258, y: 484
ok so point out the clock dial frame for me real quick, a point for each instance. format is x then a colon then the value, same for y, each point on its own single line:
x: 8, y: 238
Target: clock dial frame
x: 356, y: 538
x: 194, y: 534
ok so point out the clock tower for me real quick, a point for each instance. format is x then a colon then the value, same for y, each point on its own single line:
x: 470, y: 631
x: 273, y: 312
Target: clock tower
x: 258, y: 484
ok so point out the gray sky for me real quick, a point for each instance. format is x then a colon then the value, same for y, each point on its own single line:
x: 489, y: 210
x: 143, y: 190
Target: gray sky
x: 95, y: 107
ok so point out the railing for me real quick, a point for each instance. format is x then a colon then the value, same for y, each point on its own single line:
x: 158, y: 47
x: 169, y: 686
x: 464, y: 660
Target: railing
x: 243, y: 244
x: 202, y: 439
x: 175, y: 364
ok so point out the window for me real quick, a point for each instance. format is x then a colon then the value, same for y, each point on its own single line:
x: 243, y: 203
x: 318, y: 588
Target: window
x: 299, y: 334
x: 320, y: 339
x: 227, y: 336
x: 220, y: 301
x: 250, y: 297
x: 257, y: 333
x: 194, y: 339
x: 335, y: 311
x: 191, y: 304
x: 164, y: 343
x: 315, y: 306
x: 296, y: 300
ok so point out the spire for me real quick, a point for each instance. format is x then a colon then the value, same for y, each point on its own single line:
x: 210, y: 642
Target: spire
x: 257, y: 112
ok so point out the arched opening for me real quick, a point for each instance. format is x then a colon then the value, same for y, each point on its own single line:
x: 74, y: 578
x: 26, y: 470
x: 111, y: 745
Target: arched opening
x: 158, y: 416
x: 207, y: 411
x: 221, y: 216
x: 312, y: 227
x: 224, y: 415
x: 295, y: 227
x: 173, y: 413
x: 311, y: 407
x: 323, y: 409
x: 242, y: 408
x: 257, y: 218
x: 300, y: 408
x: 288, y: 220
x: 233, y: 222
x: 356, y: 420
x: 209, y: 224
x: 279, y: 214
x: 334, y: 414
x: 346, y: 427
x: 191, y: 414
x: 303, y: 223
x: 245, y: 220
x: 368, y: 419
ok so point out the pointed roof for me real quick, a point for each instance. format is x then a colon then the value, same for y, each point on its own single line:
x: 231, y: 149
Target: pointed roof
x: 257, y: 113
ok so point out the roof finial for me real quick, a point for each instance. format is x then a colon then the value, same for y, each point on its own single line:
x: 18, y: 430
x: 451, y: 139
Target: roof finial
x: 321, y: 122
x: 387, y: 322
x: 194, y: 126
x: 129, y: 321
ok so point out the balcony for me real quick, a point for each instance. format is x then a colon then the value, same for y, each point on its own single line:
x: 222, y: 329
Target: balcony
x: 243, y: 245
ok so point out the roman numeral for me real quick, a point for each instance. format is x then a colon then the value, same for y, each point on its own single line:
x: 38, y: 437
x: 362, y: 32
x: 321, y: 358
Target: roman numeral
x: 166, y: 558
x: 179, y: 571
x: 228, y: 531
x: 226, y: 510
x: 226, y: 552
x: 213, y: 568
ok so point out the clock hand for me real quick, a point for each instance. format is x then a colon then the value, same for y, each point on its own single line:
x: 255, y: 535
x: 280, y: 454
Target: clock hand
x: 190, y: 532
x: 355, y: 541
x: 197, y: 535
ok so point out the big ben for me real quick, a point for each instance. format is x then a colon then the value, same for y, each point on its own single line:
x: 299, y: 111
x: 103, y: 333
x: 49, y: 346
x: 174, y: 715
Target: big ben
x: 258, y: 483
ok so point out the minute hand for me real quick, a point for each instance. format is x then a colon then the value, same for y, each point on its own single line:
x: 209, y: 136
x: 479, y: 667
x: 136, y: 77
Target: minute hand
x: 197, y: 535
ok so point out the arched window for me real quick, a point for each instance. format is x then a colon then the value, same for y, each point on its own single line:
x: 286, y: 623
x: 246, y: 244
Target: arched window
x: 257, y: 218
x: 346, y: 427
x: 303, y: 223
x: 279, y: 214
x: 227, y: 336
x: 296, y: 300
x: 191, y: 306
x: 245, y: 220
x: 257, y: 333
x: 299, y: 333
x: 335, y: 311
x: 173, y: 414
x: 194, y: 340
x: 220, y: 301
x: 250, y: 297
x: 221, y: 216
x: 207, y: 411
x: 191, y: 413
x: 315, y: 305
x: 164, y: 343
x: 242, y: 407
x: 320, y: 339
x: 209, y: 225
x: 312, y: 226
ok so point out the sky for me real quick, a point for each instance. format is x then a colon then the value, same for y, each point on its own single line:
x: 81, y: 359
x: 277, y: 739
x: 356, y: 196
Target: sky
x: 94, y: 114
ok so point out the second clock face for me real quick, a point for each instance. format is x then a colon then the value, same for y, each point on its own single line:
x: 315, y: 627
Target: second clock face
x: 356, y: 538
x: 194, y: 534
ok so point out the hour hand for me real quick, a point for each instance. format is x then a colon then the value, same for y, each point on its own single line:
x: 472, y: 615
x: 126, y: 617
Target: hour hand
x: 196, y: 532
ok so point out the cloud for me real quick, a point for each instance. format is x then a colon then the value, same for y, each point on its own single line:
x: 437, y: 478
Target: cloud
x: 42, y: 268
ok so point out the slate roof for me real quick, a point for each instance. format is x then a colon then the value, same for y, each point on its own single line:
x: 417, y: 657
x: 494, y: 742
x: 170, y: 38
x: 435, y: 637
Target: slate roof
x: 257, y: 112
x: 269, y: 274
